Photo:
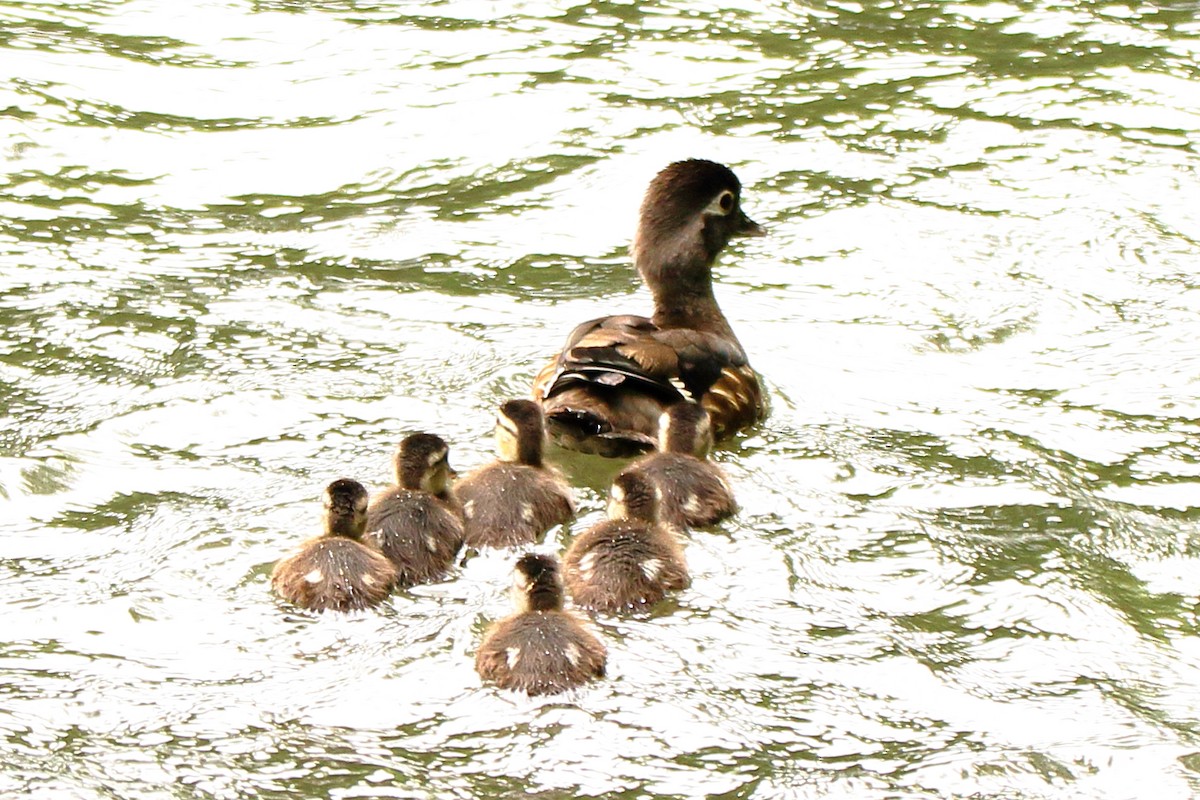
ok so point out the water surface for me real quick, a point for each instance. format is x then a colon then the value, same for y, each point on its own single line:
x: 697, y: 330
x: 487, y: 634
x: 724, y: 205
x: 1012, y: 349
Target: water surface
x: 246, y: 246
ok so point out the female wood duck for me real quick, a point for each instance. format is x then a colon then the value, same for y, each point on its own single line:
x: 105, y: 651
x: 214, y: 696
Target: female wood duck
x: 605, y: 392
x: 516, y: 499
x: 336, y: 571
x: 695, y: 492
x: 541, y: 649
x: 629, y: 561
x: 415, y: 523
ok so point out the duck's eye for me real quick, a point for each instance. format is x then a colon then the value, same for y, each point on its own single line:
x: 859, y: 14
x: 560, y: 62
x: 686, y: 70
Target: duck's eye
x: 725, y: 201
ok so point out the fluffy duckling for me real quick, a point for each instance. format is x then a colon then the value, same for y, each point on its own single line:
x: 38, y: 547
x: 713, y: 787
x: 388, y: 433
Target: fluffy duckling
x: 516, y: 499
x: 336, y: 571
x: 695, y: 492
x: 541, y: 649
x: 415, y: 523
x: 631, y: 560
x: 607, y: 388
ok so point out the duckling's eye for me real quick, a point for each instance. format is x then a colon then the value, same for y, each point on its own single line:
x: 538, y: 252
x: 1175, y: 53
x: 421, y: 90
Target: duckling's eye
x: 725, y: 201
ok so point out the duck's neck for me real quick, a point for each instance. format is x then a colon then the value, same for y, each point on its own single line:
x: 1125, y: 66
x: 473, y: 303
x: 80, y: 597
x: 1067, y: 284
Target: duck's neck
x: 695, y: 311
x: 540, y: 597
x: 343, y: 525
x: 531, y: 460
x: 528, y: 450
x: 683, y: 297
x: 683, y: 443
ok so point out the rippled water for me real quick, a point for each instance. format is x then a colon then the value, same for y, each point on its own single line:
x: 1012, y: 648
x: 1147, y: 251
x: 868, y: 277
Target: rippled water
x: 246, y: 246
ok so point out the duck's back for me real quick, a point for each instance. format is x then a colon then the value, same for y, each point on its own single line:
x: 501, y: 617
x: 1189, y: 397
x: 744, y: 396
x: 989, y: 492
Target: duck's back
x: 506, y: 504
x: 334, y: 573
x: 608, y: 387
x: 417, y: 533
x: 540, y: 652
x: 619, y: 565
x: 695, y: 493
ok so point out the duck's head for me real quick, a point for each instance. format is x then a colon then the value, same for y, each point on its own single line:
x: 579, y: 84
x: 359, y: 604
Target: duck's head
x: 691, y: 211
x: 521, y: 432
x: 633, y: 496
x: 685, y: 428
x: 537, y: 583
x: 423, y: 462
x: 345, y: 508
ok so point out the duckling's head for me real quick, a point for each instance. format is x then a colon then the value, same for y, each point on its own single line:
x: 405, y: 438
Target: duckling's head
x: 423, y: 462
x: 685, y: 428
x: 690, y: 212
x: 345, y: 508
x: 521, y: 432
x: 537, y: 583
x: 634, y: 496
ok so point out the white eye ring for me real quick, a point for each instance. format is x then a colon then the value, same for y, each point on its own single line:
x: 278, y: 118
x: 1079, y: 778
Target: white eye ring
x: 722, y: 204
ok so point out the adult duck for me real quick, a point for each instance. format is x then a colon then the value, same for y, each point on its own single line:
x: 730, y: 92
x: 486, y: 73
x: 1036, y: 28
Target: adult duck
x: 604, y: 393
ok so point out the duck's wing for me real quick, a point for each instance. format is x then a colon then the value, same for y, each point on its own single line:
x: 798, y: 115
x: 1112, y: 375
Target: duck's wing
x: 616, y: 374
x: 634, y: 353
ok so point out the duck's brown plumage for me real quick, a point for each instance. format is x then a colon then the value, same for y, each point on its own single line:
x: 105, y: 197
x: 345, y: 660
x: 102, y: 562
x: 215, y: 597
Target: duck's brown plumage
x: 541, y: 649
x: 695, y: 491
x: 517, y: 498
x: 629, y: 561
x: 605, y: 391
x: 336, y: 571
x: 415, y: 523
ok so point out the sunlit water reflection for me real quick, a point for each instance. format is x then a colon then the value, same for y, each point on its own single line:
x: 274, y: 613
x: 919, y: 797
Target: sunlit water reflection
x: 246, y: 246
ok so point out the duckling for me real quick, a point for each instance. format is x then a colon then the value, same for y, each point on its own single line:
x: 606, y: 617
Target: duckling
x: 629, y: 561
x: 416, y: 523
x: 607, y: 388
x: 541, y: 649
x: 336, y: 570
x: 695, y: 492
x: 517, y: 498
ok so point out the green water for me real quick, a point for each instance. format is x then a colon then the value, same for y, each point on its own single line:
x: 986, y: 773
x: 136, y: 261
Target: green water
x: 246, y: 246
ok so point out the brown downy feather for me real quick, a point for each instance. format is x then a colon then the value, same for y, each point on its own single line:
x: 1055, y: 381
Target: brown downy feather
x: 517, y: 498
x: 506, y: 505
x: 540, y: 649
x: 334, y: 574
x: 630, y: 561
x: 621, y: 565
x: 417, y: 532
x: 695, y: 491
x: 416, y: 524
x: 336, y: 571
